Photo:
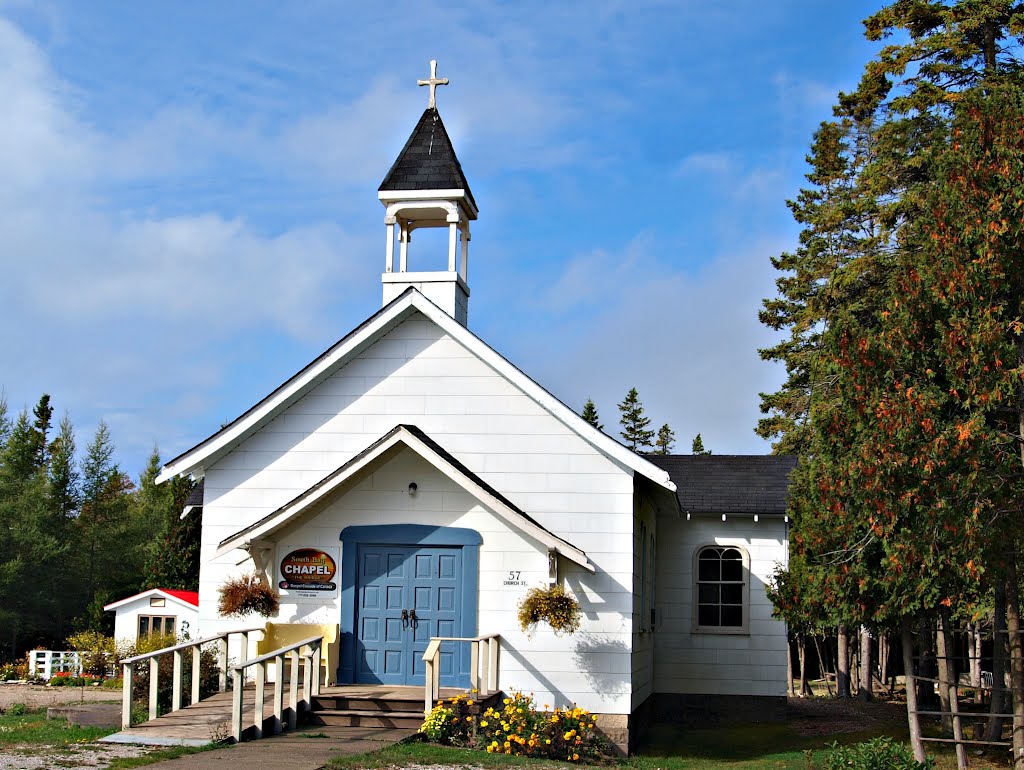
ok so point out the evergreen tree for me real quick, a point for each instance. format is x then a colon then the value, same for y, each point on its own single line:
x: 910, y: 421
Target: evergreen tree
x: 899, y: 401
x: 43, y: 414
x: 173, y: 554
x: 590, y: 414
x: 5, y: 422
x: 635, y: 431
x: 697, y: 447
x: 666, y: 440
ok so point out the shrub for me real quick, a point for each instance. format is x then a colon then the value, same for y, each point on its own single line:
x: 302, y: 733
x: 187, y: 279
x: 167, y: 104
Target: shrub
x: 99, y: 652
x: 450, y: 722
x: 553, y: 605
x: 69, y: 679
x: 519, y: 728
x: 8, y: 672
x: 876, y: 754
x: 242, y: 595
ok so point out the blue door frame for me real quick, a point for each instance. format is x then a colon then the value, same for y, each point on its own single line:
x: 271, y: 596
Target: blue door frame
x: 411, y: 537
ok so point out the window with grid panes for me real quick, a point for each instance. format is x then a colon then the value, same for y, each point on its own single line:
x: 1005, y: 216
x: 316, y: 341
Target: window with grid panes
x: 721, y: 588
x: 155, y: 624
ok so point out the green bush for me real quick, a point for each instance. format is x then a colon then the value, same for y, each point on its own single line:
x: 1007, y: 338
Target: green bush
x: 516, y: 727
x: 876, y: 754
x: 99, y: 652
x: 209, y: 678
x: 18, y: 709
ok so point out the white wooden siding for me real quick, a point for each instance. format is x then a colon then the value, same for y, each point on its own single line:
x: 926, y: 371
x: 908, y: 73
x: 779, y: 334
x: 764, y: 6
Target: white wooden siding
x: 419, y: 375
x: 708, y: 663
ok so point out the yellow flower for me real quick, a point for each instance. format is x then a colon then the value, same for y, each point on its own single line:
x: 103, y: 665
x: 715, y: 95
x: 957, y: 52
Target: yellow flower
x: 547, y: 740
x: 575, y: 757
x: 484, y: 723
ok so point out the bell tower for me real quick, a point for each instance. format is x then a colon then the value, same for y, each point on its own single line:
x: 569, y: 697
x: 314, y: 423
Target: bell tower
x: 426, y: 188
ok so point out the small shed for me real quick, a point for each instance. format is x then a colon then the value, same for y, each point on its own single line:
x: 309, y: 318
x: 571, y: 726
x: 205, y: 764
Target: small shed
x: 156, y: 611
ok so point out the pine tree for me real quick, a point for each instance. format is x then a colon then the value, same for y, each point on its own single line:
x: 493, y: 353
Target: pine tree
x: 634, y: 423
x: 173, y: 554
x: 590, y: 414
x: 697, y: 447
x: 666, y: 440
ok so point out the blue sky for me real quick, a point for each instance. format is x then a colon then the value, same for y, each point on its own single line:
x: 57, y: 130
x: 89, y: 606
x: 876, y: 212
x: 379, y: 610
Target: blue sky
x: 188, y: 212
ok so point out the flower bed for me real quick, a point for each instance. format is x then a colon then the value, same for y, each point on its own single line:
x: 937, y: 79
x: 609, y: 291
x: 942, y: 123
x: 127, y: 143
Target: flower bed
x: 517, y: 727
x: 68, y: 679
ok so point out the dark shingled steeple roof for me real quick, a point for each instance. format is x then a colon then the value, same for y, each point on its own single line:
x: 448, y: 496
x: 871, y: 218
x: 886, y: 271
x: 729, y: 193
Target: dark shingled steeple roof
x: 427, y: 162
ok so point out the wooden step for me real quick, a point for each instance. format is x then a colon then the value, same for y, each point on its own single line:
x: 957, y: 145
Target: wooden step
x: 341, y: 702
x: 365, y: 718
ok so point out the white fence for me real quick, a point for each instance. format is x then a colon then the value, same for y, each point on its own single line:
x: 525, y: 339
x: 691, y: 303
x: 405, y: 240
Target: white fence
x: 45, y: 663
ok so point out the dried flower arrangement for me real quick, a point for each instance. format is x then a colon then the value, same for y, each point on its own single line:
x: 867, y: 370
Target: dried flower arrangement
x: 245, y: 594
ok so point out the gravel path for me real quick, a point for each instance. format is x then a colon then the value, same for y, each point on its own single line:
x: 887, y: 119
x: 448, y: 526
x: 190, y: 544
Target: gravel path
x: 37, y: 757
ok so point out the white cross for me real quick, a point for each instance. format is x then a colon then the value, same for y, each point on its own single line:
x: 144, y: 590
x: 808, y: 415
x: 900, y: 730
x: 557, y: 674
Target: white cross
x: 433, y: 82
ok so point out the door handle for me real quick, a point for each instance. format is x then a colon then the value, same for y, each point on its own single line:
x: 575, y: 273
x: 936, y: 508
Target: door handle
x: 413, y: 620
x: 405, y: 618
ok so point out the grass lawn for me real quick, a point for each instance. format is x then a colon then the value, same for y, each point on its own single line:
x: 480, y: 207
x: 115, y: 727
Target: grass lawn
x: 748, y: 747
x: 33, y: 733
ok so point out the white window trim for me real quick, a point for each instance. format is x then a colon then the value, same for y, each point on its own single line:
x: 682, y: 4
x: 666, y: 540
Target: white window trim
x: 695, y: 626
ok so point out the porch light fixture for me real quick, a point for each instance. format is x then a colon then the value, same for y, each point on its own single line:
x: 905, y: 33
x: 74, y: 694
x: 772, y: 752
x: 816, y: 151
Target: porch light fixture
x: 412, y: 488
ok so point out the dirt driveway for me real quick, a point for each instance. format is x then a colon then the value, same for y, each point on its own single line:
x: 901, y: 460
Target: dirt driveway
x: 36, y: 696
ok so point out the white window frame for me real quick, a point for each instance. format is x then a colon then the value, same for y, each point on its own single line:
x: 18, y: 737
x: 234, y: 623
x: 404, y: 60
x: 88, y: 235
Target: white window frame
x: 696, y: 627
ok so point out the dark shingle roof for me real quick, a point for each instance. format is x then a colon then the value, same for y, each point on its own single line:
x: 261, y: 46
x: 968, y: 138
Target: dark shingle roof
x: 427, y: 162
x: 729, y: 483
x: 195, y: 497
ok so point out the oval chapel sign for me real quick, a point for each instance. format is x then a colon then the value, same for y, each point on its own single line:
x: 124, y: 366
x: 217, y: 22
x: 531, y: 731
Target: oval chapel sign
x: 308, y: 569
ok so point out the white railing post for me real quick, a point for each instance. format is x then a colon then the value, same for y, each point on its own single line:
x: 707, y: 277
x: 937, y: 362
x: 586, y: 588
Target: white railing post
x: 474, y: 665
x: 197, y: 677
x: 176, y: 677
x: 492, y: 673
x: 261, y: 686
x: 222, y: 665
x: 47, y: 665
x: 307, y: 682
x: 316, y: 669
x: 293, y: 689
x: 437, y: 673
x: 236, y: 709
x: 154, y: 682
x: 128, y: 671
x: 428, y: 686
x: 485, y: 665
x: 278, y: 693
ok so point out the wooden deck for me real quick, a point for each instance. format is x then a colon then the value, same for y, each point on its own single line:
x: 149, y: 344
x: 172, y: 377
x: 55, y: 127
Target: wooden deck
x: 210, y: 720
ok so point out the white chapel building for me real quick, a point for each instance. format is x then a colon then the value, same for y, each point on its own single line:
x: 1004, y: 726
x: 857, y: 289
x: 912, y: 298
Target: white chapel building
x: 421, y: 472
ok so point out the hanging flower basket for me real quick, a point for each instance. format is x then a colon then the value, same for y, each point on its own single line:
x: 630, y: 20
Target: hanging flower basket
x: 551, y: 605
x: 247, y: 594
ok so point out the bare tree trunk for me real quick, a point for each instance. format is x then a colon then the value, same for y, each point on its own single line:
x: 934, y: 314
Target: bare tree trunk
x: 805, y: 688
x: 913, y: 721
x: 822, y: 666
x: 1013, y: 632
x: 865, y: 664
x: 974, y: 663
x: 843, y: 663
x: 944, y: 655
x: 883, y: 657
x: 789, y: 666
x: 994, y: 731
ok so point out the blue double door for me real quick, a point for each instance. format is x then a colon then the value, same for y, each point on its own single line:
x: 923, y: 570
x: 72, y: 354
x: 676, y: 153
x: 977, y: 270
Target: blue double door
x: 405, y: 596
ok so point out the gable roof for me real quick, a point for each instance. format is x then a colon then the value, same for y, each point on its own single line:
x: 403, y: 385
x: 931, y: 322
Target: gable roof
x: 730, y: 483
x: 415, y: 439
x: 428, y: 160
x: 194, y: 460
x: 190, y: 598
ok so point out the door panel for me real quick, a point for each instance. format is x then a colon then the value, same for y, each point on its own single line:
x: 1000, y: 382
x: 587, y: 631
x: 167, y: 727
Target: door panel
x: 423, y: 580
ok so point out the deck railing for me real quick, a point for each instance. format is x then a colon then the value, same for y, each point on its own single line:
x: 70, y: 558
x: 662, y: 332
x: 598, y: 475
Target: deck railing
x: 483, y: 666
x: 304, y: 659
x: 178, y: 651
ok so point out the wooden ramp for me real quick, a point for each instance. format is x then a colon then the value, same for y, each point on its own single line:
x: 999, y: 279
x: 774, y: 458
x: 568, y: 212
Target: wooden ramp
x: 210, y: 720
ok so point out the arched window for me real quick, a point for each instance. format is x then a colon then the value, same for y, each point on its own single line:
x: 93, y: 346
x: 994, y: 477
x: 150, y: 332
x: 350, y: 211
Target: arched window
x: 721, y: 590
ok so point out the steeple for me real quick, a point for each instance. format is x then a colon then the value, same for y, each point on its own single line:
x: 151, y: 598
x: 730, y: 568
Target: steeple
x: 426, y: 188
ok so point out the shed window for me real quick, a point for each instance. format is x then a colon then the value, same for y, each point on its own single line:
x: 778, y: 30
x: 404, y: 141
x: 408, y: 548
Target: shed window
x: 721, y: 595
x: 155, y: 624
